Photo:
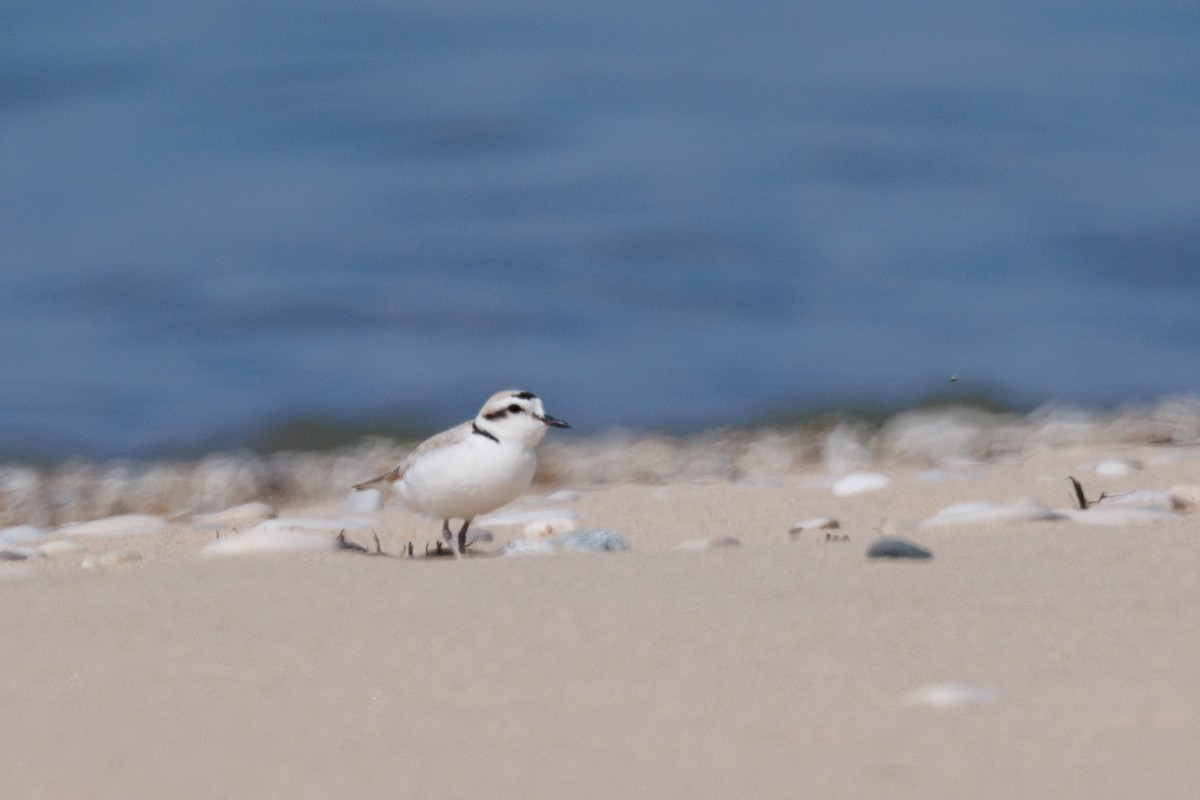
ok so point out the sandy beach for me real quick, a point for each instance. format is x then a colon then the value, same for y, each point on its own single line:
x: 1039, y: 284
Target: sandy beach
x: 1031, y: 658
x: 858, y: 345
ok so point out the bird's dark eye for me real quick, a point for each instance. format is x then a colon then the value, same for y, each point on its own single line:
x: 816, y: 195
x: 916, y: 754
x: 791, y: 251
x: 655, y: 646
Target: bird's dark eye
x: 515, y: 409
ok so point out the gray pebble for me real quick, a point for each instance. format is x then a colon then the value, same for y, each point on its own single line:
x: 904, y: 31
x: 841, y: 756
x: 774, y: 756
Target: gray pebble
x: 897, y: 548
x: 592, y: 539
x: 18, y: 534
x: 595, y: 540
x: 12, y: 555
x: 476, y: 535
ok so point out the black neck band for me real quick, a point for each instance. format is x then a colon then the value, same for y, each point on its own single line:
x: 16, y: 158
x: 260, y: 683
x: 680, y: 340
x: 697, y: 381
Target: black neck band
x: 481, y: 432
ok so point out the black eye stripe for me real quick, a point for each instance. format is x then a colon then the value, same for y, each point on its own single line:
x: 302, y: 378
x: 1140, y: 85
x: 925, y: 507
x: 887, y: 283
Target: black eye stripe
x: 513, y: 408
x: 504, y: 412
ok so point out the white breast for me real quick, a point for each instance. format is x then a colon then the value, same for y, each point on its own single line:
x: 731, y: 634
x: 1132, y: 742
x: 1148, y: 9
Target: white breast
x: 470, y: 477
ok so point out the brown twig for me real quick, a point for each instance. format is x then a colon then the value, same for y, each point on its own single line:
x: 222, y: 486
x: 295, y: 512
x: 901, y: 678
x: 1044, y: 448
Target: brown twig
x: 1079, y: 493
x: 347, y: 545
x: 1084, y: 503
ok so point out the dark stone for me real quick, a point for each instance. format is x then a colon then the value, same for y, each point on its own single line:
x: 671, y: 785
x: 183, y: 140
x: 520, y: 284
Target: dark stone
x: 897, y: 548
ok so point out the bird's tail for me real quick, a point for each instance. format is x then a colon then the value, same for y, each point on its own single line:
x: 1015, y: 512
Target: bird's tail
x: 387, y: 477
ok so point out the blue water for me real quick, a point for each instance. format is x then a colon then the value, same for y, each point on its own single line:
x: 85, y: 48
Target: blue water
x: 221, y: 215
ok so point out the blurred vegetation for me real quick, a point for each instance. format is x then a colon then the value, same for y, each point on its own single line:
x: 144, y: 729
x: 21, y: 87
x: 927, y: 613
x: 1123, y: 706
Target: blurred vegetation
x: 316, y: 434
x: 876, y: 414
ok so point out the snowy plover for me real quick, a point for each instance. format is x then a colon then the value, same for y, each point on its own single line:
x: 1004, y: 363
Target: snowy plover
x: 475, y: 467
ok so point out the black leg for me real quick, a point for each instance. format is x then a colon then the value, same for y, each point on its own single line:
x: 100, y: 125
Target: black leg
x: 462, y: 536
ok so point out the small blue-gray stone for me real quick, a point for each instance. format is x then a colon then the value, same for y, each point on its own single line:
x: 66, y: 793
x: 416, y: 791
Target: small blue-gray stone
x: 897, y: 548
x: 592, y: 539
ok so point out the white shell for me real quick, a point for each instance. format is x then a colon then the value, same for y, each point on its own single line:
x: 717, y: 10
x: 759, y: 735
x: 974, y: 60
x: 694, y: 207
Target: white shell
x: 265, y: 539
x: 989, y: 512
x: 313, y: 524
x: 1118, y: 466
x: 714, y: 543
x: 814, y: 524
x: 860, y: 482
x: 121, y: 525
x: 111, y: 558
x: 564, y: 496
x: 1145, y: 498
x: 59, y: 546
x: 238, y: 515
x: 1119, y: 516
x: 950, y: 695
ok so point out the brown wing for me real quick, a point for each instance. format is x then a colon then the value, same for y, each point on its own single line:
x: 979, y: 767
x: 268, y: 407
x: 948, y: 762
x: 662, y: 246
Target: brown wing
x: 432, y: 443
x: 387, y: 477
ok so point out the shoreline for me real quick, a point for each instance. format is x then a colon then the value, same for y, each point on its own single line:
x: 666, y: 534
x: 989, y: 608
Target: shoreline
x: 77, y: 489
